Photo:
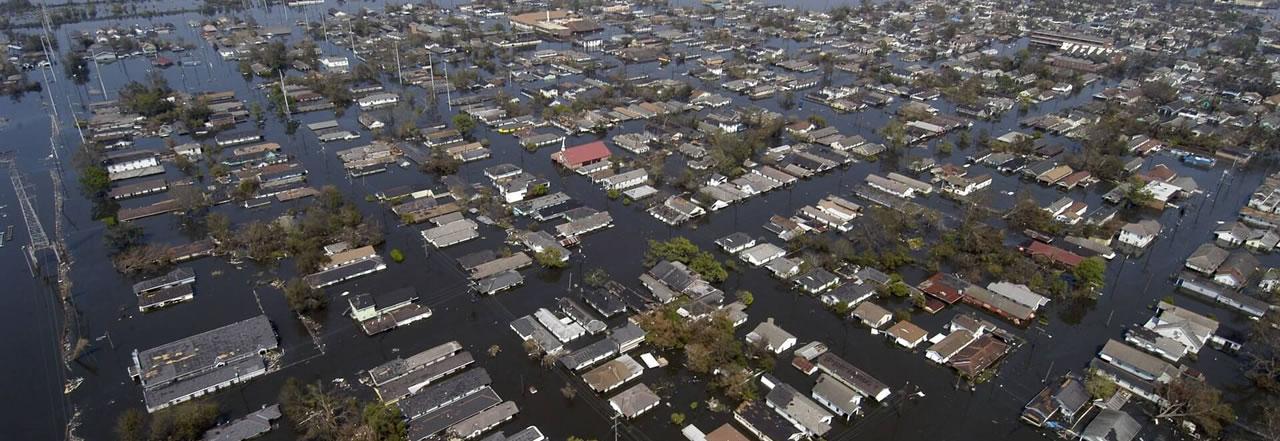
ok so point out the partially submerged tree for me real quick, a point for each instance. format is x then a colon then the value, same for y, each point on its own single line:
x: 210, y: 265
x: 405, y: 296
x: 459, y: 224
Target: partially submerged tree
x: 1195, y: 401
x: 303, y: 298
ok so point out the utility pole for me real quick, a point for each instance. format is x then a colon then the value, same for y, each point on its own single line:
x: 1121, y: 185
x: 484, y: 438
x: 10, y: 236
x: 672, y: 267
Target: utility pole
x: 432, y: 63
x: 399, y: 74
x: 49, y: 89
x: 45, y: 43
x: 76, y: 118
x: 100, y: 80
x: 448, y: 88
x: 615, y: 427
x: 351, y: 36
x: 285, y: 95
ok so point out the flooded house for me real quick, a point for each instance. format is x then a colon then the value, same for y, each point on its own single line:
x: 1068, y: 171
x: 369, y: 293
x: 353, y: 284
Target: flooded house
x: 772, y: 337
x: 203, y: 363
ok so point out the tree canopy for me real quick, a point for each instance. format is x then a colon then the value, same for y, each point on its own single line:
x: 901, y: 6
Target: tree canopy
x: 682, y: 250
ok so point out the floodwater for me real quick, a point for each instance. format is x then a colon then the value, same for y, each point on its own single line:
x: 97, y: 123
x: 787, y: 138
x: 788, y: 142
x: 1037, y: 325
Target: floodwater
x: 227, y: 293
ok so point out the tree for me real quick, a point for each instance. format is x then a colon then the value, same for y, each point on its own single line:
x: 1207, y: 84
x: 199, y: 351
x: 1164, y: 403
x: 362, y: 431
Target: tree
x: 682, y: 250
x: 185, y: 165
x: 144, y: 100
x: 539, y: 190
x: 895, y: 133
x: 550, y: 258
x: 1159, y: 92
x: 131, y: 425
x: 219, y: 226
x: 397, y: 255
x: 596, y: 278
x: 1099, y: 386
x: 441, y: 164
x: 1025, y: 214
x: 121, y: 236
x: 184, y: 422
x: 385, y: 422
x: 75, y: 66
x: 142, y: 259
x: 94, y: 180
x: 708, y: 267
x: 464, y: 123
x: 1264, y: 358
x: 746, y: 297
x: 303, y: 298
x: 1267, y: 420
x: 190, y: 200
x: 1091, y: 272
x: 677, y: 418
x: 1137, y: 193
x: 737, y: 384
x: 1195, y: 401
x: 188, y: 420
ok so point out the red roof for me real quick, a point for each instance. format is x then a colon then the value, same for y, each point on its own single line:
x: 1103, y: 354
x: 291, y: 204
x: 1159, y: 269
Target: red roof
x: 580, y: 155
x: 1059, y: 255
x: 942, y: 287
x: 803, y: 365
x: 1161, y: 172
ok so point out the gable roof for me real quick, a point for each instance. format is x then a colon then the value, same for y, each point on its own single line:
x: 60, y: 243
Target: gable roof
x: 1111, y: 425
x: 907, y: 331
x: 584, y: 153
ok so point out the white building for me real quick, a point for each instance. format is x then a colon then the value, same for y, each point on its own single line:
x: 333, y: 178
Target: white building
x: 335, y: 64
x: 133, y: 160
x: 1139, y: 234
x: 378, y: 99
x: 762, y: 253
x: 625, y: 179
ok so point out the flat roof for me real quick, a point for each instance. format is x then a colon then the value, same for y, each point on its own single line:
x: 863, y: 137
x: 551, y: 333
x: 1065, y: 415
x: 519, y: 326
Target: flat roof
x: 400, y: 366
x: 417, y: 379
x: 444, y: 393
x: 442, y: 418
x: 176, y: 369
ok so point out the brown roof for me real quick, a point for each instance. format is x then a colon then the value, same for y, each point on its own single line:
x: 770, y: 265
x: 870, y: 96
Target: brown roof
x: 532, y: 18
x: 907, y: 331
x: 1161, y: 172
x: 1059, y: 255
x: 726, y: 433
x: 979, y: 355
x: 944, y: 287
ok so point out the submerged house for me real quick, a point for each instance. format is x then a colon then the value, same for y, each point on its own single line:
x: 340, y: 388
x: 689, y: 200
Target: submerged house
x: 583, y: 155
x: 806, y: 415
x: 385, y: 310
x: 192, y: 367
x: 1063, y: 401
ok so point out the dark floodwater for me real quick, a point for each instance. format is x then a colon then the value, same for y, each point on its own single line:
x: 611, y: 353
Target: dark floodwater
x: 36, y: 408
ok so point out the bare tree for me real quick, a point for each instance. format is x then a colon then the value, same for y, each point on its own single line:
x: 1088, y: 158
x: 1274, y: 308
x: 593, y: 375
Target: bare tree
x: 1195, y: 401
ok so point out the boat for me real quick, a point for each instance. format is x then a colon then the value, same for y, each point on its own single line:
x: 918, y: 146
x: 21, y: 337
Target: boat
x: 1038, y: 235
x: 1199, y: 160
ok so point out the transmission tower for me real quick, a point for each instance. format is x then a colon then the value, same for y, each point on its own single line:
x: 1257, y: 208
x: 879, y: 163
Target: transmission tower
x: 26, y: 201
